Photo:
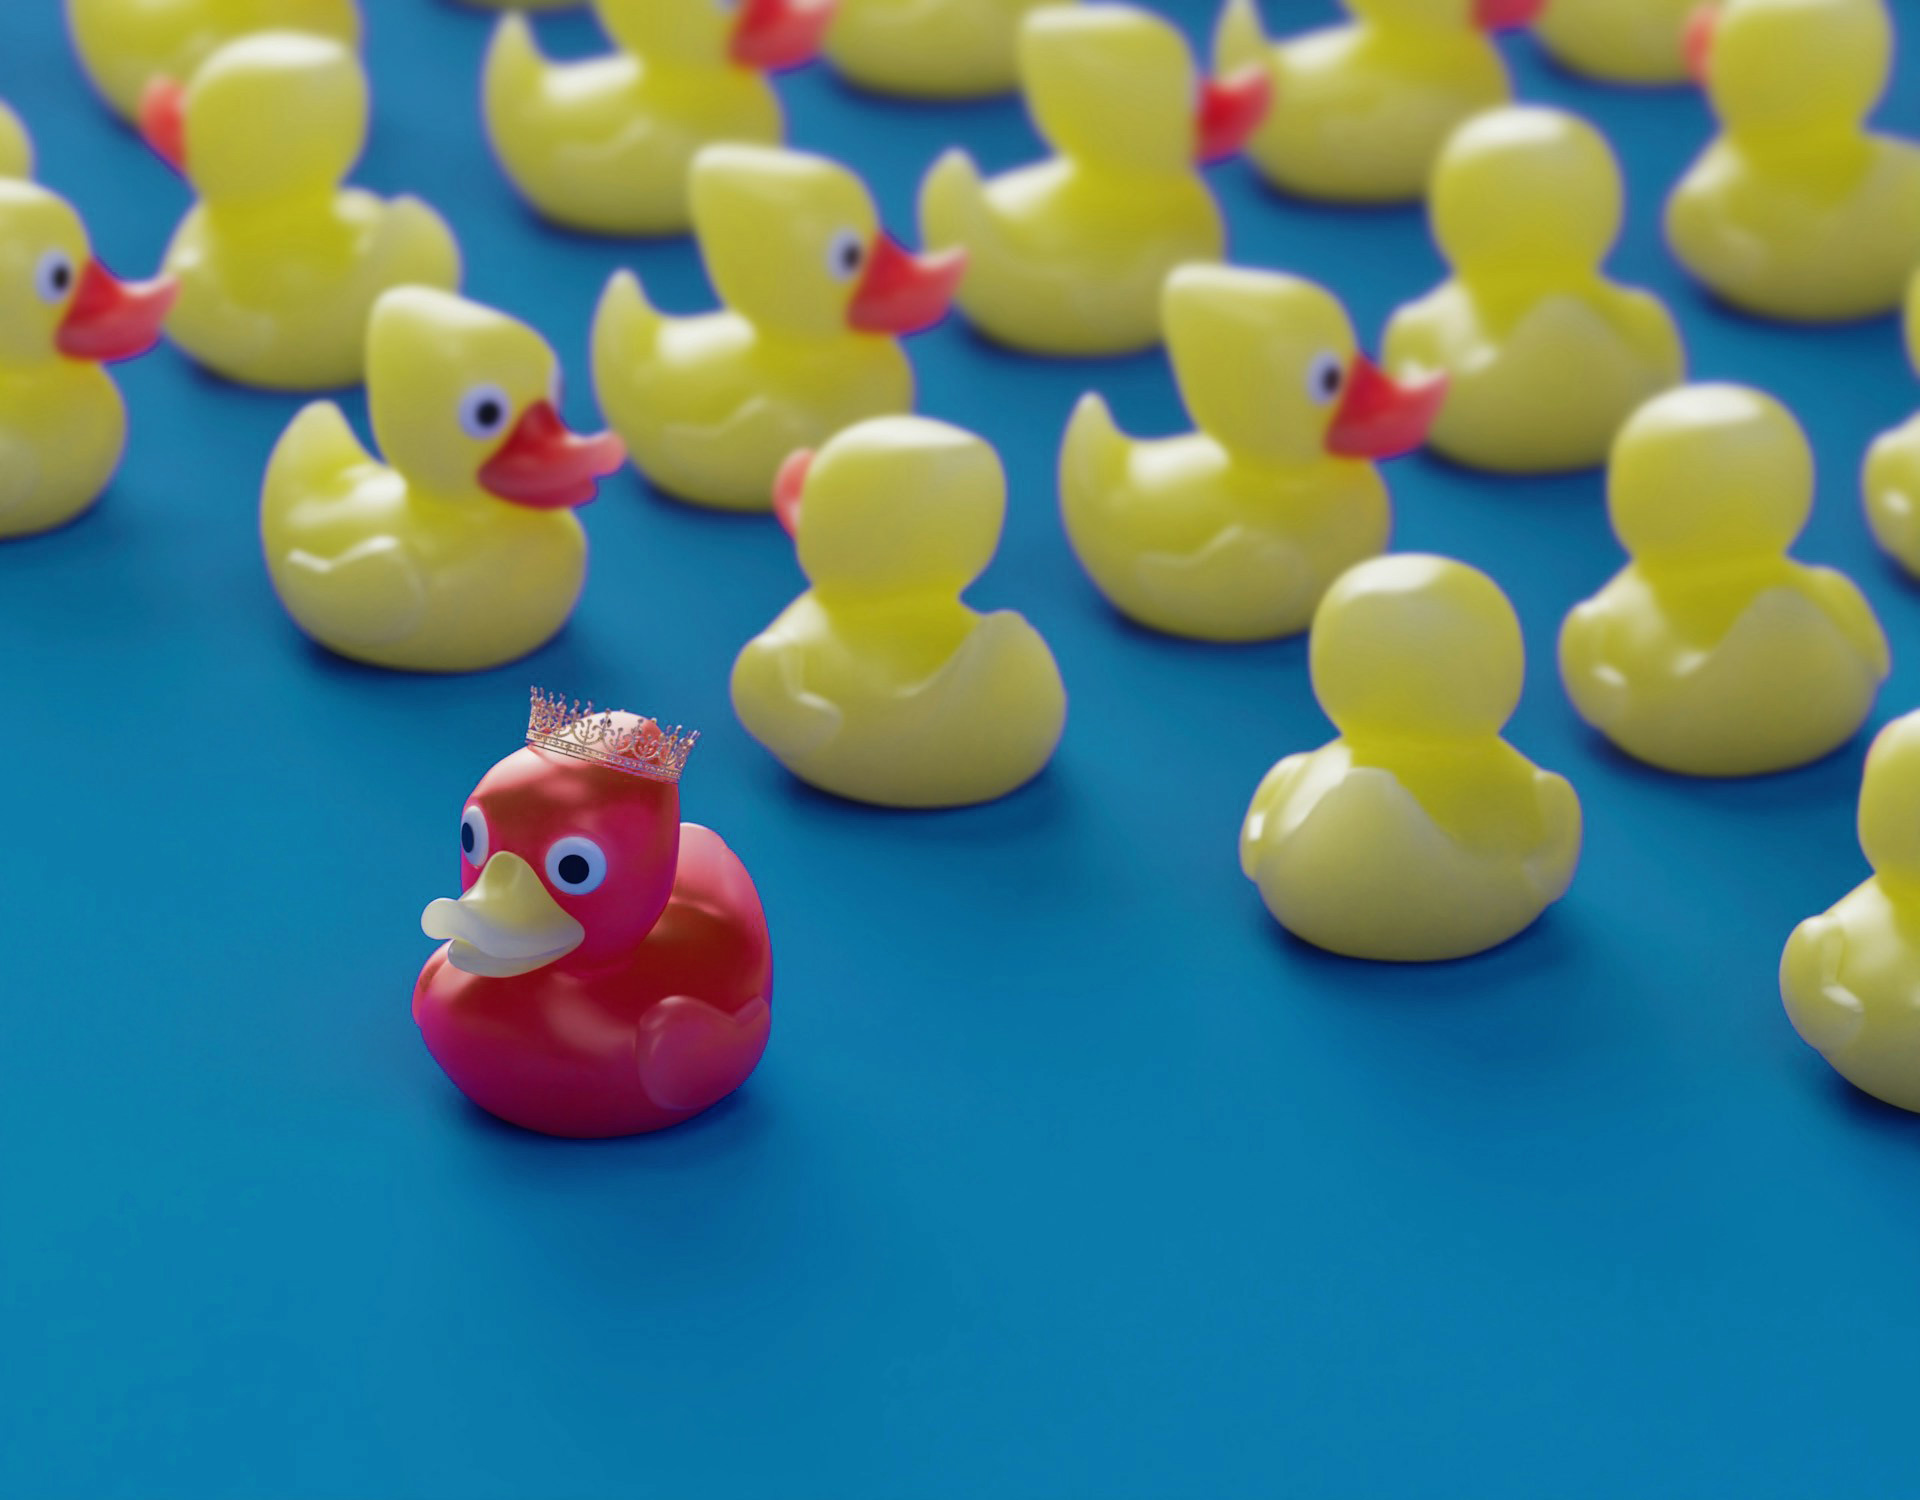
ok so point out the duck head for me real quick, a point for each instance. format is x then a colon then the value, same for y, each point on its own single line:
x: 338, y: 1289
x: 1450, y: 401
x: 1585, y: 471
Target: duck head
x: 1487, y: 15
x: 1409, y: 646
x: 792, y: 242
x: 1781, y: 68
x: 56, y: 300
x: 1117, y: 86
x: 464, y: 403
x: 270, y: 116
x: 1523, y: 192
x: 1890, y: 804
x: 768, y: 35
x: 563, y: 861
x: 892, y: 507
x: 1269, y: 368
x: 1709, y: 474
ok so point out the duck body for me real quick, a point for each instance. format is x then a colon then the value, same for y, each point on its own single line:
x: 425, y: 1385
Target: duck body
x: 1619, y: 41
x: 929, y: 49
x: 1890, y: 478
x: 63, y: 428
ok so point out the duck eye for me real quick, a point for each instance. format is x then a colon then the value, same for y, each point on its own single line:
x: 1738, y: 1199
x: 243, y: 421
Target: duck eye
x: 576, y: 865
x: 484, y: 411
x: 845, y: 251
x: 1325, y: 376
x: 53, y: 277
x: 473, y: 837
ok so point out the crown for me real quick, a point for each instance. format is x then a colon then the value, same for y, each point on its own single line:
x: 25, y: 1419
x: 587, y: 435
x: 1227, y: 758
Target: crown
x: 639, y: 748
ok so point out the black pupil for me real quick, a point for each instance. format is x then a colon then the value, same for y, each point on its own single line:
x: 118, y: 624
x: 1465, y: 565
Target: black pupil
x: 573, y: 868
x: 849, y: 255
x: 62, y: 274
x: 487, y: 412
x: 466, y: 837
x: 1330, y: 379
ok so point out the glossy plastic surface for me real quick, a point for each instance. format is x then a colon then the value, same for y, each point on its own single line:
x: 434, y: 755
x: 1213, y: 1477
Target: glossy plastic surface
x: 1067, y: 256
x: 929, y: 49
x: 880, y: 683
x: 16, y: 146
x: 1619, y: 41
x: 1713, y: 652
x: 125, y: 44
x: 1890, y: 478
x: 1546, y: 356
x: 1360, y: 110
x: 1233, y: 532
x: 815, y: 293
x: 278, y: 264
x: 627, y: 1004
x: 1419, y: 833
x: 605, y: 143
x: 62, y: 422
x: 1797, y: 211
x: 461, y: 552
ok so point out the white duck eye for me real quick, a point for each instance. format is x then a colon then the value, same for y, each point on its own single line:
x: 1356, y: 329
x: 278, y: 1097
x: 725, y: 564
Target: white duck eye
x: 473, y: 837
x: 53, y: 277
x: 845, y: 253
x: 484, y: 411
x: 576, y: 865
x: 1325, y: 376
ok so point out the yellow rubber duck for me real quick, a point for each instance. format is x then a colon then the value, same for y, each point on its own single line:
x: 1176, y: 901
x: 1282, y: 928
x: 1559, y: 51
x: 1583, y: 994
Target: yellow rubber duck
x: 62, y: 423
x: 16, y: 146
x: 1891, y: 479
x: 880, y: 683
x: 278, y: 264
x: 1796, y: 211
x: 1714, y: 653
x: 1234, y: 532
x: 1619, y: 41
x: 1419, y: 834
x: 464, y: 553
x: 1547, y: 357
x: 929, y: 49
x: 125, y: 44
x: 1068, y: 256
x: 1849, y: 976
x: 816, y: 296
x: 1361, y: 110
x: 605, y: 144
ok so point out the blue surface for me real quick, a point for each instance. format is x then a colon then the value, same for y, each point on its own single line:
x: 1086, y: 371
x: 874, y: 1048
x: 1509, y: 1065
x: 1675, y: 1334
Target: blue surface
x: 1066, y: 1173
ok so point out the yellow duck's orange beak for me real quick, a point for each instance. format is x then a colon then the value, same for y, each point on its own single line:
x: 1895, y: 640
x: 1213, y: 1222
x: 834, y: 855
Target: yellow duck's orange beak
x: 900, y: 292
x: 163, y: 121
x: 773, y: 35
x: 1231, y: 109
x: 1504, y: 15
x: 1380, y: 417
x: 110, y: 319
x: 546, y: 465
x: 1697, y: 43
x: 788, y: 485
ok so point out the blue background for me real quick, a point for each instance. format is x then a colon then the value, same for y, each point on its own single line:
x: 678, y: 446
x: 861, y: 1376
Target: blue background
x: 1067, y: 1173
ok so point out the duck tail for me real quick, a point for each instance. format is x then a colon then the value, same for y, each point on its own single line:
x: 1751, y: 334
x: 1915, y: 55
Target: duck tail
x: 1239, y: 40
x: 510, y: 77
x: 313, y: 458
x: 951, y: 202
x: 626, y: 327
x: 1093, y: 463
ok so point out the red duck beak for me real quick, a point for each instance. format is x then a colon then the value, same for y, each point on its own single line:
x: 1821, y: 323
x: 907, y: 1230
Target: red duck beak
x: 1381, y: 418
x: 1504, y: 15
x: 901, y: 292
x: 1697, y: 43
x: 546, y: 465
x: 1231, y: 109
x: 773, y: 35
x: 110, y: 319
x: 162, y: 120
x: 787, y: 487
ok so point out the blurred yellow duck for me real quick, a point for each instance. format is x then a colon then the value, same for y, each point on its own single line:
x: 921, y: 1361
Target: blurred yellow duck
x: 1234, y: 532
x: 1891, y: 480
x: 880, y: 683
x: 278, y: 264
x: 1850, y: 976
x: 1796, y: 211
x: 125, y: 44
x: 1619, y: 41
x: 16, y: 146
x: 605, y: 144
x: 1714, y: 653
x: 1360, y: 110
x: 1547, y: 357
x: 1068, y: 256
x: 816, y: 296
x: 464, y: 553
x: 1419, y: 834
x: 929, y: 49
x: 62, y: 423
